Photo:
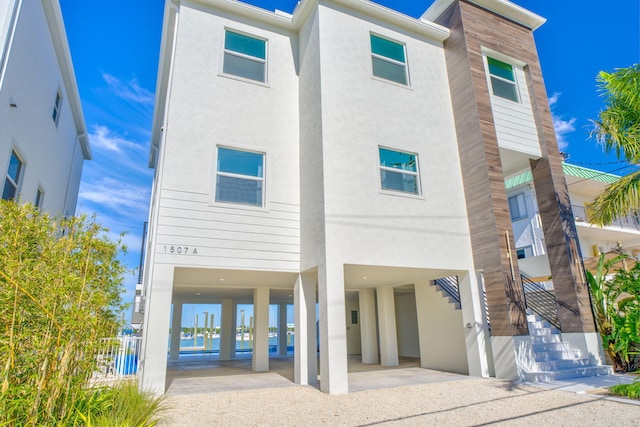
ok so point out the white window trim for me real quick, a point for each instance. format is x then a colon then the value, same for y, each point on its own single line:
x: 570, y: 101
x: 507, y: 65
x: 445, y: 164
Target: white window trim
x: 266, y: 61
x: 21, y: 172
x: 40, y: 191
x: 215, y: 173
x: 524, y: 248
x: 387, y: 192
x: 486, y: 54
x: 57, y: 108
x: 390, y: 60
x: 526, y: 211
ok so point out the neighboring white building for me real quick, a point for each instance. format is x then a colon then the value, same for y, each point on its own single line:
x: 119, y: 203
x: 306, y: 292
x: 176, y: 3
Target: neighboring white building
x: 348, y: 156
x: 43, y: 140
x: 584, y: 185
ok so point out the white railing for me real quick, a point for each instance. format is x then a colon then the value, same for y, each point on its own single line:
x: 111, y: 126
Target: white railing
x: 119, y: 359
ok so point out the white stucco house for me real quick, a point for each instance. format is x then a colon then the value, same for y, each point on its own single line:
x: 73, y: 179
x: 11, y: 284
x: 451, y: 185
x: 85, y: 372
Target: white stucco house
x: 584, y: 185
x: 43, y: 140
x: 350, y: 157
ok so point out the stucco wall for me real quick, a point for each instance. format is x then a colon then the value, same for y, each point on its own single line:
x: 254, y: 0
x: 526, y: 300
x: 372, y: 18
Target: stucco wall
x: 208, y: 109
x: 365, y: 225
x: 51, y: 154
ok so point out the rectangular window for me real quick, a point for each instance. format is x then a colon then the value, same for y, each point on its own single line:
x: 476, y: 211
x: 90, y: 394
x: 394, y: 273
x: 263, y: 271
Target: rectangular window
x: 240, y: 177
x: 245, y: 56
x: 14, y: 172
x: 399, y: 171
x: 518, y: 207
x: 56, y: 108
x: 389, y: 60
x: 503, y: 81
x: 525, y: 252
x: 39, y: 197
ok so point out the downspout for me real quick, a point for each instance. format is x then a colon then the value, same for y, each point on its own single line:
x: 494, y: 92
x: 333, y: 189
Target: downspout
x: 73, y: 156
x: 17, y: 6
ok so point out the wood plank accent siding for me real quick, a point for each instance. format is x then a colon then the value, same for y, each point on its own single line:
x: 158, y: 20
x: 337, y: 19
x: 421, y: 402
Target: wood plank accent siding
x: 472, y: 28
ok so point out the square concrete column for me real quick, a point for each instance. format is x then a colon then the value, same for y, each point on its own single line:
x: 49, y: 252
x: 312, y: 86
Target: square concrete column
x: 387, y: 327
x: 228, y: 330
x: 305, y: 352
x: 333, y: 330
x: 282, y: 329
x: 368, y: 331
x: 471, y: 302
x: 156, y: 329
x: 260, y: 359
x: 176, y: 328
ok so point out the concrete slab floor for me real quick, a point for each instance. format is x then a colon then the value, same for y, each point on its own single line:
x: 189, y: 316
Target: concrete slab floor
x: 206, y: 374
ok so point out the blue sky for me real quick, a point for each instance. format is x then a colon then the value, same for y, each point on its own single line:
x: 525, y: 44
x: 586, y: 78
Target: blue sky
x: 115, y: 52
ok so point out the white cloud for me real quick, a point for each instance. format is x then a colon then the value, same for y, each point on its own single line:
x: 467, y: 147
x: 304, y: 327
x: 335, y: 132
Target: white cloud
x: 116, y: 195
x: 561, y: 126
x: 128, y: 90
x: 102, y: 137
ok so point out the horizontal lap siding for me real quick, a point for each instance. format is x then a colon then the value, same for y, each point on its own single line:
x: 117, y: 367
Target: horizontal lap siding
x: 216, y: 236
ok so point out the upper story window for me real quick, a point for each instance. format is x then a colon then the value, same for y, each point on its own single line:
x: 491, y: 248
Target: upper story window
x: 389, y: 60
x: 57, y: 105
x: 518, y: 207
x: 39, y: 197
x: 12, y: 179
x: 399, y: 171
x: 524, y: 252
x: 503, y: 80
x: 240, y: 177
x: 245, y: 56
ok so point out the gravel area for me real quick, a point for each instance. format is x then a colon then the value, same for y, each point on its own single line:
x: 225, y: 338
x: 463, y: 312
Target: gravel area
x: 472, y: 402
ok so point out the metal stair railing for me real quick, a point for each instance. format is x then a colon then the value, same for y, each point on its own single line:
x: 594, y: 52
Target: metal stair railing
x: 450, y: 286
x: 541, y: 301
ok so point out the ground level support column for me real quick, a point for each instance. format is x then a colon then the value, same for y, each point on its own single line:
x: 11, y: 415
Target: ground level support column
x: 156, y: 329
x: 333, y: 330
x: 368, y: 332
x: 228, y: 330
x: 475, y: 324
x: 305, y: 351
x: 387, y: 327
x: 176, y: 328
x: 282, y: 329
x: 260, y: 359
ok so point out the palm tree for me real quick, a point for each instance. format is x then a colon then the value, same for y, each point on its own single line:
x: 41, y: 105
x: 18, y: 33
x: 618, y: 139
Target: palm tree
x: 618, y: 130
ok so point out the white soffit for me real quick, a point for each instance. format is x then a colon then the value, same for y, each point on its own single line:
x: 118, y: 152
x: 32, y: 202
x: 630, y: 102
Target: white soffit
x: 501, y: 7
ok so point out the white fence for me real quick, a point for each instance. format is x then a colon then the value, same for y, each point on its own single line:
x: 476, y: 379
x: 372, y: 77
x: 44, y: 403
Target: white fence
x: 119, y: 359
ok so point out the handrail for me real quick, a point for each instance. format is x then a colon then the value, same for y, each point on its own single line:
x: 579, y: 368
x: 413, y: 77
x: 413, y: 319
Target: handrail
x: 450, y: 286
x: 625, y: 221
x: 541, y: 301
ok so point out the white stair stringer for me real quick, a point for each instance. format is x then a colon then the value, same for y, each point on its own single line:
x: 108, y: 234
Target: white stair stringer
x: 554, y: 359
x: 446, y: 295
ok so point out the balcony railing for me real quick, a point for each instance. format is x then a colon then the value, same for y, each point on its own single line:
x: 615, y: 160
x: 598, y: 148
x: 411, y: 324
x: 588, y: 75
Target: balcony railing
x: 630, y: 222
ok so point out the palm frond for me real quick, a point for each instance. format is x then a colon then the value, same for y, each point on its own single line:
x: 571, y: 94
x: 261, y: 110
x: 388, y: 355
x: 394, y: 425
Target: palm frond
x: 618, y: 199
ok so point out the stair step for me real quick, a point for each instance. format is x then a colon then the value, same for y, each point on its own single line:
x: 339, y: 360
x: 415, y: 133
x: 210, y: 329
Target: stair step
x: 540, y: 332
x: 550, y: 346
x: 546, y: 356
x: 564, y: 374
x: 560, y: 365
x: 547, y: 339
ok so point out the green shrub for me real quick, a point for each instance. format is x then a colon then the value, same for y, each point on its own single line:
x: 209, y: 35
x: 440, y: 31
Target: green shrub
x: 123, y: 405
x: 60, y: 292
x: 631, y: 391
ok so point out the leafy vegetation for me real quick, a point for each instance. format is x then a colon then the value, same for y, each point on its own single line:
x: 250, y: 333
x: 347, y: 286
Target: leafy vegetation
x: 60, y: 292
x: 631, y: 391
x: 616, y: 305
x: 618, y: 130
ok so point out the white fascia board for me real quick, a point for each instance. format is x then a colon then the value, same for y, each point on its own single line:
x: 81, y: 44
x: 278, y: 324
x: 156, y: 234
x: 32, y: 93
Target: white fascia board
x: 58, y: 33
x: 162, y: 79
x: 501, y: 7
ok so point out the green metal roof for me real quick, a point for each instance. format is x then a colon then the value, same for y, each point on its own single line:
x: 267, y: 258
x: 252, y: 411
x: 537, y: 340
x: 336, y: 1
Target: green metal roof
x: 568, y: 169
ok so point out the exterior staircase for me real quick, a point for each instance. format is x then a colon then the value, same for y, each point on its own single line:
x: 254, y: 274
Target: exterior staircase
x: 448, y: 287
x: 554, y: 359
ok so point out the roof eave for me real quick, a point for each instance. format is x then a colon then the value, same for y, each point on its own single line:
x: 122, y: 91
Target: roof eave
x: 58, y: 33
x: 503, y: 8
